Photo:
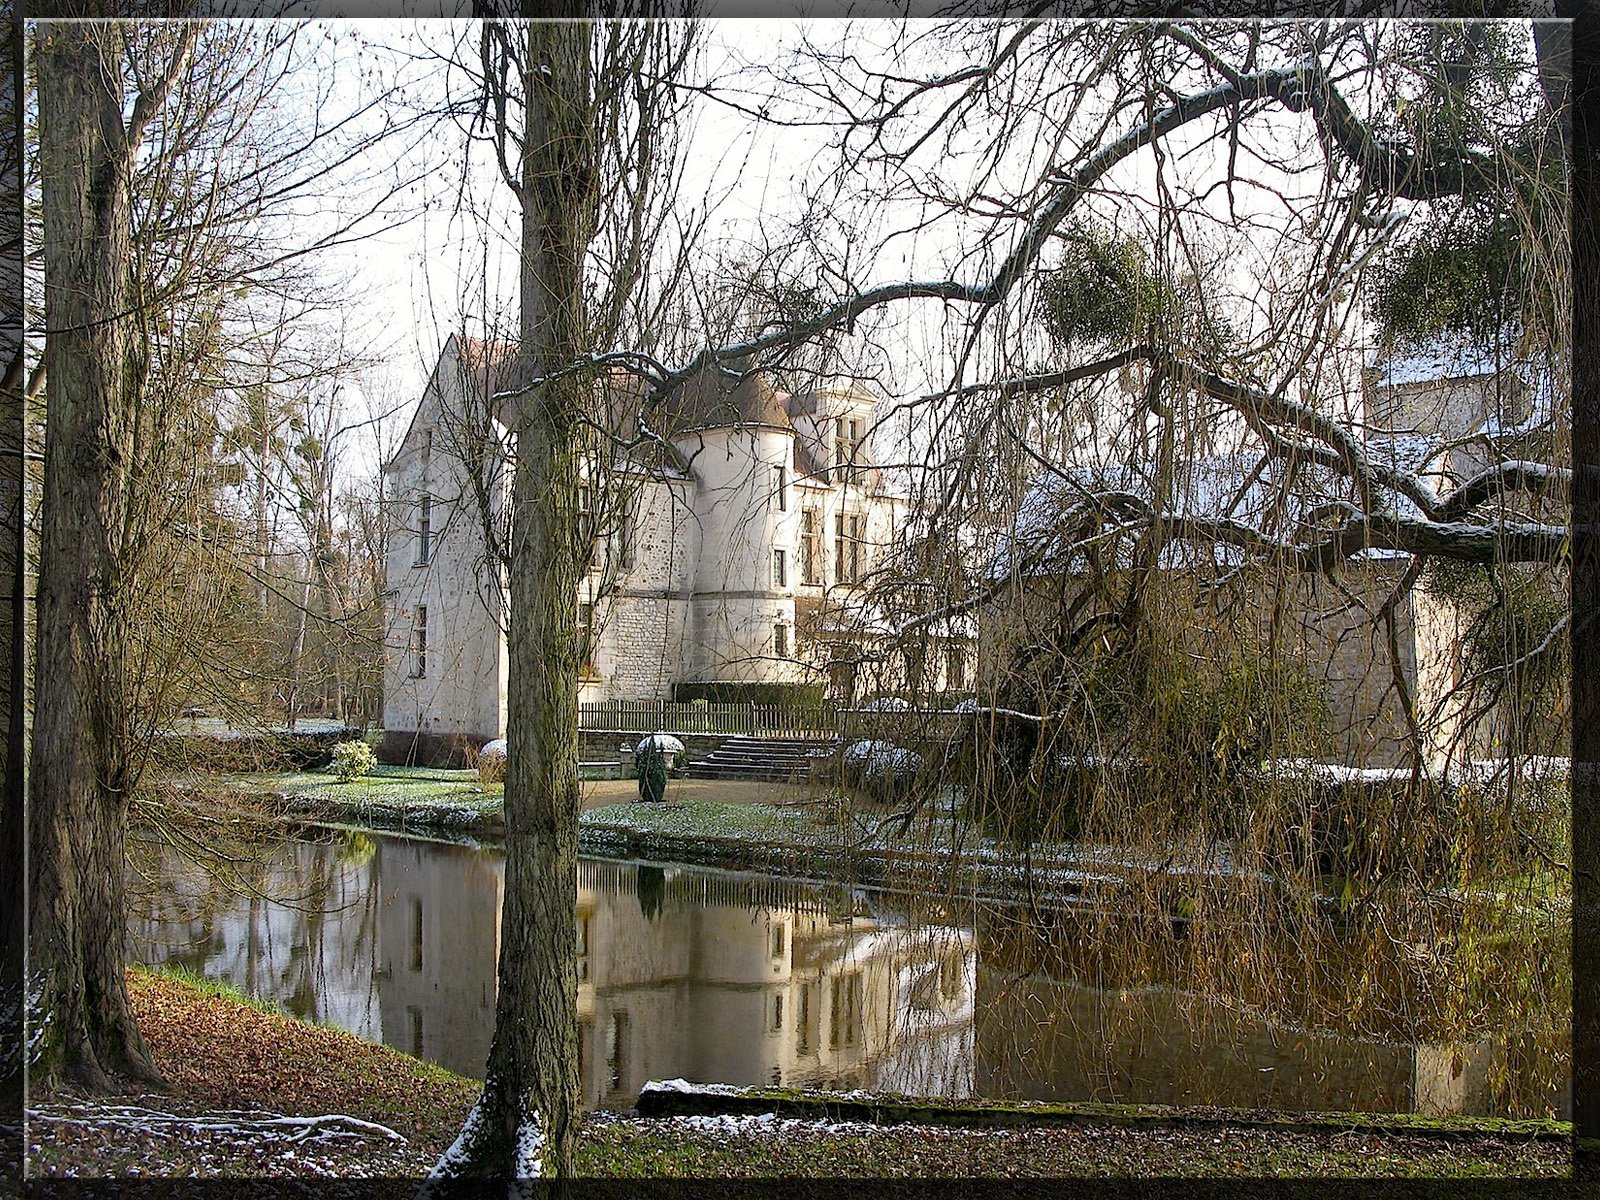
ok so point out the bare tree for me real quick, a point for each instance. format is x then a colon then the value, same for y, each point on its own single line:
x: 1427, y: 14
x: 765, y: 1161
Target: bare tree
x: 1024, y: 150
x: 81, y: 767
x: 158, y: 217
x: 14, y: 588
x: 587, y: 162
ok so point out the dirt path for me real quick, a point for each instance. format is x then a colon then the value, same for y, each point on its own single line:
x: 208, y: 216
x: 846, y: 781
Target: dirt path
x: 598, y: 793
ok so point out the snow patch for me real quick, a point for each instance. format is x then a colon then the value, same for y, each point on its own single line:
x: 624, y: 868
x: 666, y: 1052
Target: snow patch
x: 530, y: 1149
x: 683, y: 1085
x: 663, y: 742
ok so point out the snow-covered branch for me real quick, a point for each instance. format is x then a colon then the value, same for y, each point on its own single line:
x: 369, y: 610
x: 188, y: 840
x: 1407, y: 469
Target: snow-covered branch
x: 1514, y: 475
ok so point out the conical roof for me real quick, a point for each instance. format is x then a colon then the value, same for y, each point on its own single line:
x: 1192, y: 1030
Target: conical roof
x: 721, y: 396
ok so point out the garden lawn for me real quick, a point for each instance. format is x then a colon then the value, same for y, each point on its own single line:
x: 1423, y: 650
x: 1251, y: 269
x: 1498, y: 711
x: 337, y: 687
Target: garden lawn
x: 389, y: 796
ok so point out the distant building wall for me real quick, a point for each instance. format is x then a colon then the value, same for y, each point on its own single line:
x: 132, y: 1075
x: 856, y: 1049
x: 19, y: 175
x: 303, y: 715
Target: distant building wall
x: 444, y: 681
x: 705, y: 591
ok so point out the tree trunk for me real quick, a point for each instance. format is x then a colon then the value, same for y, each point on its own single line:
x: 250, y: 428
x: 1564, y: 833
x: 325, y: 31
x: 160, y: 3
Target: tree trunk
x: 79, y: 768
x: 291, y: 698
x: 525, y: 1122
x: 13, y: 621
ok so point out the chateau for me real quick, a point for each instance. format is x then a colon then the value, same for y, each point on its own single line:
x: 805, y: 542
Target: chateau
x: 724, y: 550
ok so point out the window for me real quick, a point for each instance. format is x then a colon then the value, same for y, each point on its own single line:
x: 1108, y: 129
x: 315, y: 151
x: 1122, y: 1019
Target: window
x: 916, y: 664
x: 780, y: 475
x: 427, y: 449
x: 780, y: 641
x: 586, y: 635
x: 950, y: 976
x: 617, y: 1052
x: 780, y: 938
x: 419, y: 642
x: 810, y: 547
x: 585, y: 1051
x: 955, y: 669
x: 777, y: 1013
x: 780, y: 569
x: 843, y: 673
x: 625, y: 539
x: 846, y: 445
x: 416, y: 1029
x: 849, y: 530
x: 416, y: 935
x: 846, y: 1014
x: 425, y: 530
x: 586, y: 527
x: 805, y: 1028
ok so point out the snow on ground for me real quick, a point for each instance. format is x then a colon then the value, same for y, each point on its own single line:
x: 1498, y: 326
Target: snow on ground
x: 771, y: 1125
x: 131, y: 1140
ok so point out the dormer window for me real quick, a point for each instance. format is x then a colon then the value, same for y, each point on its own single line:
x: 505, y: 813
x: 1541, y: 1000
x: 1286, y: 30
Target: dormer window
x: 846, y: 445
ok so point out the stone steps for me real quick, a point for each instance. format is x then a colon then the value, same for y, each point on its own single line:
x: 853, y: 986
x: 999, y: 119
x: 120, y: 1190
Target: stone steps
x: 770, y: 759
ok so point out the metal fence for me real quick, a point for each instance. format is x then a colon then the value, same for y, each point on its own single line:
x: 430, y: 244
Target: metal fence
x: 771, y: 720
x: 749, y: 720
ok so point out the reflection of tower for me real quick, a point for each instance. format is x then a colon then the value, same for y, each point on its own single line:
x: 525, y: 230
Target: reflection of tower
x: 882, y: 1007
x: 438, y: 941
x: 726, y: 983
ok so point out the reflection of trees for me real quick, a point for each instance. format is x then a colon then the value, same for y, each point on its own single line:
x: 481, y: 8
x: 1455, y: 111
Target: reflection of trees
x: 1333, y: 1013
x: 294, y: 923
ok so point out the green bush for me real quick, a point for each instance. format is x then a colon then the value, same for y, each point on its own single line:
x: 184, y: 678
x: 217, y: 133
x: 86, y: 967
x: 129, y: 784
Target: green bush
x: 790, y: 695
x: 351, y: 760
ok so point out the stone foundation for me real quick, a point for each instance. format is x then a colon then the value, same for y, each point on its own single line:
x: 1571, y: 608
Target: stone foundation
x: 410, y: 748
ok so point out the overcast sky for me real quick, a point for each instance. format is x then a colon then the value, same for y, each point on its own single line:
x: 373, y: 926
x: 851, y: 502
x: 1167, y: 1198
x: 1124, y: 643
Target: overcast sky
x: 448, y: 259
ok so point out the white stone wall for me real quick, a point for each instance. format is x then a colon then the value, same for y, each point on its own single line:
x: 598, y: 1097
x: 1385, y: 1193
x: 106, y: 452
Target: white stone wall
x: 462, y: 690
x: 1441, y: 629
x: 737, y: 601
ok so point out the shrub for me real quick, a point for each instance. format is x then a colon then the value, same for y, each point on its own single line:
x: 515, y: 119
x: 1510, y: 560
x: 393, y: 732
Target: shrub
x: 491, y: 762
x: 792, y: 695
x: 351, y: 760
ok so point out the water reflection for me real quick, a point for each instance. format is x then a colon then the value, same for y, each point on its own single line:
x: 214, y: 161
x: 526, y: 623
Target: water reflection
x: 721, y: 977
x: 701, y: 975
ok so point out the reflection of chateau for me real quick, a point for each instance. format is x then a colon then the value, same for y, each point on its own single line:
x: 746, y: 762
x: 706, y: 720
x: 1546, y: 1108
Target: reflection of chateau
x: 717, y: 985
x: 438, y: 937
x: 713, y: 989
x: 724, y: 978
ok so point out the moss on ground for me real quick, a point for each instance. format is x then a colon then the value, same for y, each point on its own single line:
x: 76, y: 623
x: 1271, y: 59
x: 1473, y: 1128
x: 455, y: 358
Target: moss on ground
x: 893, y: 1107
x: 385, y: 785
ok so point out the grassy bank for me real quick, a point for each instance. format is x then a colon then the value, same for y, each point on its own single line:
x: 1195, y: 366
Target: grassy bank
x: 732, y: 823
x: 255, y: 1093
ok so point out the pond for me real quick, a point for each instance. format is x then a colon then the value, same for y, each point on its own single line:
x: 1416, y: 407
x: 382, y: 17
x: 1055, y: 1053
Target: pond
x: 737, y: 978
